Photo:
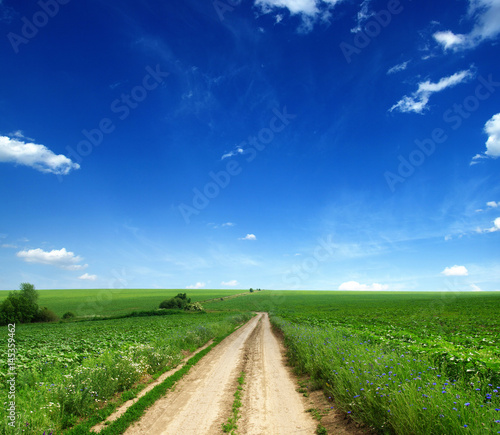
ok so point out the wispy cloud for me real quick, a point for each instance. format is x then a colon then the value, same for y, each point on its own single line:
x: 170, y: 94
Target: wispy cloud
x: 59, y: 258
x: 354, y: 285
x: 88, y: 277
x: 364, y: 14
x: 485, y: 14
x: 196, y: 286
x: 493, y: 204
x: 16, y: 150
x: 475, y: 288
x: 455, y: 271
x: 248, y: 237
x: 236, y: 151
x: 417, y: 102
x: 231, y: 283
x: 310, y: 11
x: 397, y: 68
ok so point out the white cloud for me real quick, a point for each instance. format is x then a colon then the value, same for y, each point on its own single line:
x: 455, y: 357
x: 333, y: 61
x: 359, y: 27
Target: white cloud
x: 493, y: 204
x: 448, y: 39
x: 39, y: 157
x: 236, y: 151
x: 308, y: 10
x: 417, y: 102
x: 8, y: 245
x: 475, y: 288
x: 354, y: 285
x: 455, y: 271
x: 495, y: 227
x: 60, y: 258
x: 196, y: 286
x: 397, y: 68
x: 88, y: 277
x: 248, y: 237
x: 486, y: 17
x: 363, y: 15
x: 226, y: 224
x: 492, y: 129
x: 231, y: 283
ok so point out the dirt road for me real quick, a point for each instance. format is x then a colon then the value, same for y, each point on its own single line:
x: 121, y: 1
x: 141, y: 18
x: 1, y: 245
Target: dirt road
x: 202, y: 400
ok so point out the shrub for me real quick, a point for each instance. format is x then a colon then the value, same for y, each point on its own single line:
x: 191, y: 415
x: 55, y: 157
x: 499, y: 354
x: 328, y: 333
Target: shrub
x: 45, y: 315
x: 179, y: 302
x: 68, y: 315
x: 195, y: 306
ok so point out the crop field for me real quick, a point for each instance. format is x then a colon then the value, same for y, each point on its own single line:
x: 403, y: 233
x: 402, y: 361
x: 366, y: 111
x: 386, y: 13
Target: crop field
x: 112, y: 302
x: 65, y: 371
x: 406, y: 363
x: 403, y: 363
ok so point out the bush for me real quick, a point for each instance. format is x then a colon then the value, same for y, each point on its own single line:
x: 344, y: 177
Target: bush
x: 195, y: 306
x: 45, y: 315
x: 68, y: 315
x: 179, y: 302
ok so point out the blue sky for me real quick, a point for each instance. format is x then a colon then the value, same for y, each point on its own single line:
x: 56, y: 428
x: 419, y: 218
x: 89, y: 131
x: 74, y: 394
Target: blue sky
x: 280, y: 144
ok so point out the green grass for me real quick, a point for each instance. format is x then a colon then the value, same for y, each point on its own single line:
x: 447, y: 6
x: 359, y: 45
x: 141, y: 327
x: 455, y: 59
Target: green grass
x: 231, y: 425
x: 111, y: 302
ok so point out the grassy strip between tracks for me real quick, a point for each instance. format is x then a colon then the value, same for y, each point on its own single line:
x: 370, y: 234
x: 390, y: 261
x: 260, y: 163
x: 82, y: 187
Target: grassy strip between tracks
x: 136, y: 411
x: 231, y: 425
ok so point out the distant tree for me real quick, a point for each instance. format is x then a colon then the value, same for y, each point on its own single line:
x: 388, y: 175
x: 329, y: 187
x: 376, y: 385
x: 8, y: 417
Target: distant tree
x: 20, y: 306
x: 251, y: 290
x: 68, y: 315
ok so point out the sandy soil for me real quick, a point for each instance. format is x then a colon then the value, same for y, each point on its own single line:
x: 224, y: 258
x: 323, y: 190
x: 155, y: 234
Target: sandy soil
x: 202, y: 400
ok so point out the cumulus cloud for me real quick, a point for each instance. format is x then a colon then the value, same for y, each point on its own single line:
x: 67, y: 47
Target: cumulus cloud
x: 354, y: 285
x: 248, y: 237
x: 455, y: 271
x: 417, y: 102
x: 88, y: 277
x: 196, y: 286
x: 493, y: 204
x: 492, y: 129
x: 310, y: 11
x: 397, y: 68
x: 485, y: 14
x: 20, y: 152
x: 59, y: 258
x: 231, y: 283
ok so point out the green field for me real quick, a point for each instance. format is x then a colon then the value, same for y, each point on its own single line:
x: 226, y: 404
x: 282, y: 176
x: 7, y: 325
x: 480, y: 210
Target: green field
x: 404, y: 363
x: 112, y: 302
